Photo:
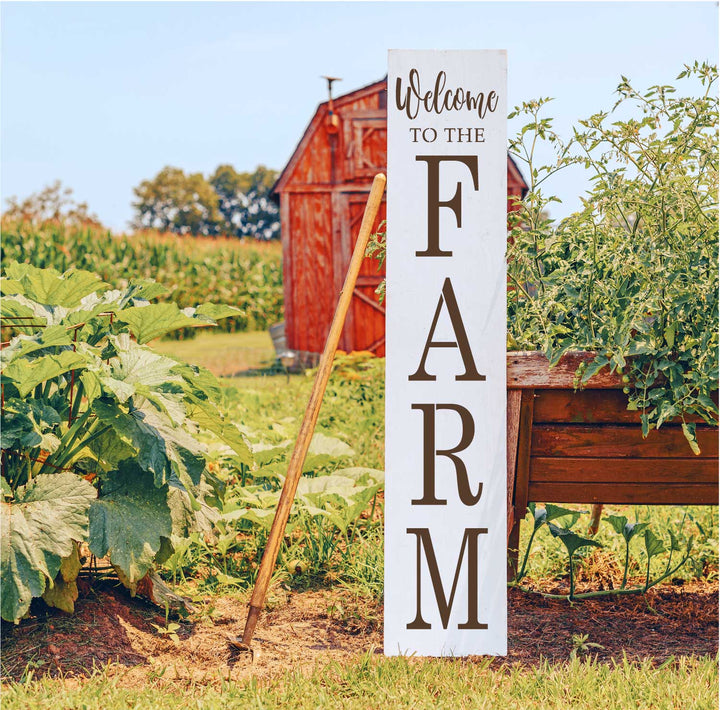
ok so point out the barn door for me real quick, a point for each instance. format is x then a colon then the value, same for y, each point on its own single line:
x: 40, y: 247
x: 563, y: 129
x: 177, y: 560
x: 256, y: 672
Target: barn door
x: 365, y: 322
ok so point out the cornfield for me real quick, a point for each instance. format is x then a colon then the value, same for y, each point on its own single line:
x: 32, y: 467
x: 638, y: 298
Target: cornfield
x: 244, y: 274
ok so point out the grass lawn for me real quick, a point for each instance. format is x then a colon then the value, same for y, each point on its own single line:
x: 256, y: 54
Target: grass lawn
x: 225, y: 354
x: 393, y: 683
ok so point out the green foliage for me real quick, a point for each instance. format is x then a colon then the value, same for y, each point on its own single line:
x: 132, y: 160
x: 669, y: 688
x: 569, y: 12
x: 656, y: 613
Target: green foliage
x: 228, y: 202
x: 681, y: 539
x: 377, y: 249
x: 628, y: 530
x: 572, y: 542
x: 244, y: 202
x: 325, y: 518
x: 337, y: 507
x: 40, y: 521
x: 97, y: 430
x: 175, y: 202
x: 188, y: 270
x: 542, y: 516
x: 633, y: 275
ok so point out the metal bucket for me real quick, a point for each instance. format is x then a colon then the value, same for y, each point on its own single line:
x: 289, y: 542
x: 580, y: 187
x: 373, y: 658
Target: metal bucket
x: 277, y: 335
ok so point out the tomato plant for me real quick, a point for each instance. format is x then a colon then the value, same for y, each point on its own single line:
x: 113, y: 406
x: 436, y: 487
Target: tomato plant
x: 633, y: 275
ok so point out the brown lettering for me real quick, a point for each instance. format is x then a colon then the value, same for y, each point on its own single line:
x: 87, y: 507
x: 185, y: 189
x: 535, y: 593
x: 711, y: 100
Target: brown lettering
x: 470, y: 540
x: 430, y: 453
x: 434, y: 202
x: 461, y: 341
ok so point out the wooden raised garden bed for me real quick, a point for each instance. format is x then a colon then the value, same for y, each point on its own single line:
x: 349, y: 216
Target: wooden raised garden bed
x: 586, y: 447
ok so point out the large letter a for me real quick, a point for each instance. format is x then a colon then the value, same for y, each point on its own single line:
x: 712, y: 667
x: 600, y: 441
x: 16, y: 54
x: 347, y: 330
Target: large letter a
x: 461, y: 340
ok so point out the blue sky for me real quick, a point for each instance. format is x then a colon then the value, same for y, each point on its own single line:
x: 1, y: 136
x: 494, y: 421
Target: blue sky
x: 103, y: 95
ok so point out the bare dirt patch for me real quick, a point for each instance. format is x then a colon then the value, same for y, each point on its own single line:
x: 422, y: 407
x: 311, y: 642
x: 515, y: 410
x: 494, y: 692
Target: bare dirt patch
x: 306, y: 630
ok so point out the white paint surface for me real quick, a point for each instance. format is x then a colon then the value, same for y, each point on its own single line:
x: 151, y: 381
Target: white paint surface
x: 478, y: 275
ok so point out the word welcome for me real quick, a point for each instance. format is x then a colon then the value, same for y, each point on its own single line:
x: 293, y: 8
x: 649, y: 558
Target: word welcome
x: 411, y: 98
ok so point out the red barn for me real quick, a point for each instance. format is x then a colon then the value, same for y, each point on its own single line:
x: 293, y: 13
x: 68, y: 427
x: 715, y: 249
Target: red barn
x: 322, y: 192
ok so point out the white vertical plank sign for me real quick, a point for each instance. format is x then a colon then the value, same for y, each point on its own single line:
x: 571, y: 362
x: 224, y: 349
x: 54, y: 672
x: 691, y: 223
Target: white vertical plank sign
x: 445, y: 506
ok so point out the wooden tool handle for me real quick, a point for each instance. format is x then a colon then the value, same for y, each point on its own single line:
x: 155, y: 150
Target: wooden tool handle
x: 277, y: 531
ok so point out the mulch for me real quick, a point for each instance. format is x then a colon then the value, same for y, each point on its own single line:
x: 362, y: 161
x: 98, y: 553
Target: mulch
x: 304, y: 630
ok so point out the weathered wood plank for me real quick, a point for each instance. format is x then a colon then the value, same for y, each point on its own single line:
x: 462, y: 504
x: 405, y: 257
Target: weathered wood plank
x: 313, y: 292
x: 530, y: 370
x: 513, y: 431
x: 523, y: 450
x: 621, y: 471
x: 522, y: 471
x: 619, y: 441
x: 589, y: 406
x: 341, y: 259
x: 373, y: 281
x: 625, y: 494
x: 288, y: 296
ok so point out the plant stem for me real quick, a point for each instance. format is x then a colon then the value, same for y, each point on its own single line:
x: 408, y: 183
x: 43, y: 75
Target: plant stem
x: 627, y: 561
x: 521, y: 573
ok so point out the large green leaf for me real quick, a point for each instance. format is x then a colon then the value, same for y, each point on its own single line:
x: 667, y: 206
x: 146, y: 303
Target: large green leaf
x: 41, y: 314
x: 621, y: 526
x: 208, y: 416
x: 217, y: 311
x: 49, y: 287
x: 202, y: 383
x: 128, y: 520
x: 141, y: 289
x: 129, y: 436
x: 22, y: 345
x: 187, y: 517
x: 653, y: 544
x: 27, y: 424
x: 138, y: 365
x: 342, y: 498
x: 63, y: 592
x: 363, y: 475
x: 11, y: 309
x: 571, y: 540
x: 551, y: 512
x: 155, y: 320
x: 38, y: 530
x: 27, y: 374
x: 325, y: 449
x: 159, y: 446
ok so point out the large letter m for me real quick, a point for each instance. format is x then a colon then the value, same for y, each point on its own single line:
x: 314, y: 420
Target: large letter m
x: 469, y: 541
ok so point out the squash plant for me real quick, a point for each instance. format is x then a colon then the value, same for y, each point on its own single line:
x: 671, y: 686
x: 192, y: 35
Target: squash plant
x: 99, y: 432
x: 633, y: 274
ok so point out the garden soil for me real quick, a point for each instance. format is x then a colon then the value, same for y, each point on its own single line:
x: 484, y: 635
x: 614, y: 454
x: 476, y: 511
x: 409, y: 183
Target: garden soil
x: 306, y: 629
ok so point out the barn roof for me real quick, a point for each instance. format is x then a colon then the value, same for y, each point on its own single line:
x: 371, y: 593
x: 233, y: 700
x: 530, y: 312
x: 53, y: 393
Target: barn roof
x: 316, y: 121
x: 339, y: 102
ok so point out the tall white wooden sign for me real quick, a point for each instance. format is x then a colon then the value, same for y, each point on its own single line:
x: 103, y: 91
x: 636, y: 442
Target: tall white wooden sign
x: 445, y: 507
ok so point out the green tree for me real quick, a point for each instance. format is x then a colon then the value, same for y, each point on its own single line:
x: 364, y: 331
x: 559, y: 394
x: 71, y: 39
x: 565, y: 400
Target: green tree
x: 245, y: 202
x: 175, y: 202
